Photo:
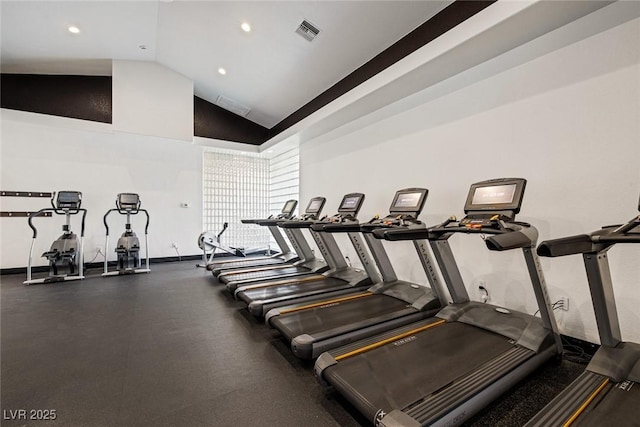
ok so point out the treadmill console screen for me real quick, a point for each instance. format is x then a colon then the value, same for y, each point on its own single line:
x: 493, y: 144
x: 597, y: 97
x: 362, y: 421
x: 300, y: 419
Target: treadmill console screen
x: 351, y: 203
x: 289, y: 207
x: 409, y: 200
x: 68, y: 199
x: 315, y: 205
x: 496, y: 195
x: 128, y: 200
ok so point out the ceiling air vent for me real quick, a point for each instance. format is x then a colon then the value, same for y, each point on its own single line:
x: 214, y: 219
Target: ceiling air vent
x: 231, y: 105
x: 307, y: 30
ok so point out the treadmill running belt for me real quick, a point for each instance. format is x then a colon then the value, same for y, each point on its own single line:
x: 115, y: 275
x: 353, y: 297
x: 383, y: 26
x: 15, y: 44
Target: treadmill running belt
x: 332, y: 316
x: 265, y: 274
x: 260, y: 294
x: 620, y: 406
x: 248, y: 263
x: 397, y: 375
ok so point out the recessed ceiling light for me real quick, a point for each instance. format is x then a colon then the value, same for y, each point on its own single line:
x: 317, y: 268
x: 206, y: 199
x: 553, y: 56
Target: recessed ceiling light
x: 269, y: 151
x: 73, y: 29
x: 222, y: 71
x: 245, y: 27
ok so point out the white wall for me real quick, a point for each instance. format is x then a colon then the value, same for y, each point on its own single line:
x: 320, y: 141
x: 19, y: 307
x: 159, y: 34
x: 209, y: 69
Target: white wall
x: 151, y: 99
x: 568, y: 121
x: 45, y: 153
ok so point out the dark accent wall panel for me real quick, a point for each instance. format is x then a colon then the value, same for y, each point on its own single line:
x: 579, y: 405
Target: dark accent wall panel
x: 454, y: 14
x: 78, y: 97
x: 211, y: 121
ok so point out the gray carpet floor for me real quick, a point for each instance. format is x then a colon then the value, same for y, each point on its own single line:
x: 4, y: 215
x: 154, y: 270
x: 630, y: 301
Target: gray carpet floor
x: 171, y: 348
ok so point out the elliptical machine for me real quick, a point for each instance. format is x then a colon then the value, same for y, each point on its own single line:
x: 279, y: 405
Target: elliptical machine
x: 128, y: 247
x: 65, y: 255
x: 210, y: 242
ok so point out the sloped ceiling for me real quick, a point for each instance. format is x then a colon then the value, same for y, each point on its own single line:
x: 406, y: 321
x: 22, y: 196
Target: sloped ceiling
x: 271, y: 70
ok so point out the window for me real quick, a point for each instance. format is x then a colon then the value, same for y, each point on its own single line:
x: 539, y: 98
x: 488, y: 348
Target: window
x: 236, y: 186
x: 239, y: 185
x: 284, y: 177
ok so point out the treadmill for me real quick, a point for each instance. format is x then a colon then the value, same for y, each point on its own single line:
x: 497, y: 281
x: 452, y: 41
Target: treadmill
x: 339, y: 280
x: 308, y: 264
x: 285, y: 255
x: 321, y: 325
x: 441, y: 371
x: 608, y: 391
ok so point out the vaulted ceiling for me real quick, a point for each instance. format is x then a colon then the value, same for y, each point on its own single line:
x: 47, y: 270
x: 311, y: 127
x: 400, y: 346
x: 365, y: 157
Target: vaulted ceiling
x: 271, y: 70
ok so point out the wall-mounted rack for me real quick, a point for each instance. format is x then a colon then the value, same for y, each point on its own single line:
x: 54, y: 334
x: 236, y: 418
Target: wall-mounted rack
x: 23, y: 214
x: 25, y: 194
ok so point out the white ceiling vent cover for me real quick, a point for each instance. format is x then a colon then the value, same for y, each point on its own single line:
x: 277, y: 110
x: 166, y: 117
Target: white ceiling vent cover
x: 231, y: 105
x: 307, y: 30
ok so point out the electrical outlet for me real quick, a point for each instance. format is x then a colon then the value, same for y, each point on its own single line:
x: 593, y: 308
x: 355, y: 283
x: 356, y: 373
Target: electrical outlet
x: 482, y: 290
x: 564, y: 303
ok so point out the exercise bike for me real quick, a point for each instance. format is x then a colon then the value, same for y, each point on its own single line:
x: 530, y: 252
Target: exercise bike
x: 65, y: 255
x: 210, y: 242
x: 128, y: 246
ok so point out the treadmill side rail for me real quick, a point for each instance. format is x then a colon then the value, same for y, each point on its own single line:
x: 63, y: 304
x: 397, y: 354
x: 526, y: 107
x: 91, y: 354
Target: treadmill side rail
x: 567, y: 404
x: 525, y: 330
x: 396, y: 418
x: 615, y: 363
x: 323, y: 362
x: 307, y: 346
x: 468, y: 397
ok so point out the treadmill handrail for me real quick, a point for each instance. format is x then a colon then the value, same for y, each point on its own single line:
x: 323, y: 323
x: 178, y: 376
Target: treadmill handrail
x: 509, y: 236
x: 392, y: 222
x: 269, y: 222
x: 416, y: 233
x: 335, y: 220
x: 620, y: 234
x: 251, y: 221
x: 279, y: 217
x: 296, y: 224
x: 595, y: 242
x: 612, y: 240
x: 303, y: 221
x: 397, y: 234
x: 341, y: 227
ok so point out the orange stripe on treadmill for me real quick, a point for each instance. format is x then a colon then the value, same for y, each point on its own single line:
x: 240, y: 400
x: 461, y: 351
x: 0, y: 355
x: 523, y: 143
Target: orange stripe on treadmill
x: 285, y: 282
x: 387, y: 341
x: 331, y: 301
x: 586, y: 403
